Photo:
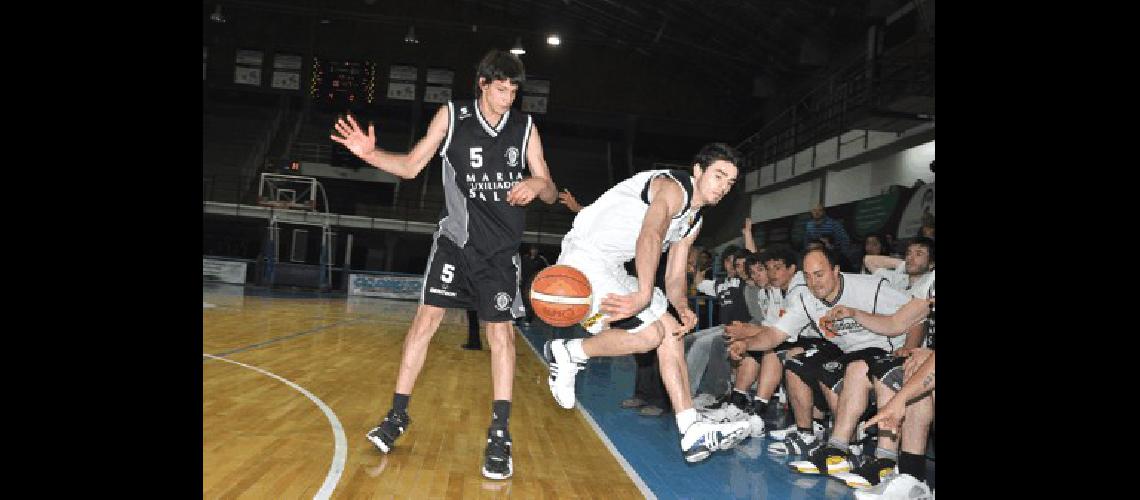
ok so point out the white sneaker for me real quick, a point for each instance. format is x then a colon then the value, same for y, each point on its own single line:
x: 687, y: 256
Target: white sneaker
x: 727, y: 413
x: 563, y: 370
x: 897, y: 487
x: 704, y: 437
x: 755, y: 425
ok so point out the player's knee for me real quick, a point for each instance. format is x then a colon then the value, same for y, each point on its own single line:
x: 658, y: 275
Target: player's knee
x: 500, y: 337
x: 650, y: 337
x: 856, y: 369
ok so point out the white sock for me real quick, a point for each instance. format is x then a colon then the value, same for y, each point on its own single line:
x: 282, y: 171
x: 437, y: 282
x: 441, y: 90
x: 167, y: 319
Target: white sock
x: 685, y: 419
x: 576, y: 353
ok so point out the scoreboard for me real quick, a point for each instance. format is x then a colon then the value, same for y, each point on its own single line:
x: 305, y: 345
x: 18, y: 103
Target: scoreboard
x: 343, y: 83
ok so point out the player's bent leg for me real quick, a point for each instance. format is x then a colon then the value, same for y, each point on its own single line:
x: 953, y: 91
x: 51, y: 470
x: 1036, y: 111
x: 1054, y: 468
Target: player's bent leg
x: 424, y: 325
x: 419, y: 335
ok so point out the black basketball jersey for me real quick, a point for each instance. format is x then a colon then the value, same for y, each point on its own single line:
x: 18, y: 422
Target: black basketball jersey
x: 730, y: 292
x: 481, y: 164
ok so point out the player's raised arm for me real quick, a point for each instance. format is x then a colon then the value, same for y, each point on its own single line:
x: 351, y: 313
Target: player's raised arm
x: 404, y: 166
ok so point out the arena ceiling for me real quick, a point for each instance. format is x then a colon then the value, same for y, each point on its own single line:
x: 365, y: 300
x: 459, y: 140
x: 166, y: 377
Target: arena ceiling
x: 755, y: 47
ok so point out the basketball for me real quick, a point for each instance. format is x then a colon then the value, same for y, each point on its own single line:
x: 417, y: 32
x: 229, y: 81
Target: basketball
x: 560, y: 295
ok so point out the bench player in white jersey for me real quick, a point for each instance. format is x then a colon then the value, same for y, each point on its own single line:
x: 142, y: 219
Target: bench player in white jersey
x: 807, y: 347
x: 846, y: 381
x: 641, y: 217
x: 485, y: 149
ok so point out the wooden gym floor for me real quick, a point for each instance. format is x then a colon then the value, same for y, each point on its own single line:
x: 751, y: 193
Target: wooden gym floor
x: 285, y: 380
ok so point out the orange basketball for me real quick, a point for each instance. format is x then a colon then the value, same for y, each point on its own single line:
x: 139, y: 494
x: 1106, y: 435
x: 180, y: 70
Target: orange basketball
x: 560, y: 295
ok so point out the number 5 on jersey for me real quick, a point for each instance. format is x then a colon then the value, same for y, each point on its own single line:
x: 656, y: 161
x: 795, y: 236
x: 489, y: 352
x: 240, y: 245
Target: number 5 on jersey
x: 447, y: 274
x: 476, y: 157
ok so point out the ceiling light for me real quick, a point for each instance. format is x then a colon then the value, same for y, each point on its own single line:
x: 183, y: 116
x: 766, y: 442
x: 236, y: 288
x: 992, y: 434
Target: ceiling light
x: 217, y: 16
x: 518, y: 49
x: 553, y: 40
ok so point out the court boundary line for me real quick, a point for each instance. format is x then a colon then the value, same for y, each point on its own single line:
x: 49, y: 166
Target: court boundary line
x: 283, y: 338
x: 340, y: 443
x: 633, y: 475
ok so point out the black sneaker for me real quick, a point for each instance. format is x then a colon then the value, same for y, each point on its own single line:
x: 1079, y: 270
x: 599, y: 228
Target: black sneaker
x: 385, y: 434
x: 826, y: 460
x: 497, y: 462
x: 870, y: 473
x: 734, y: 398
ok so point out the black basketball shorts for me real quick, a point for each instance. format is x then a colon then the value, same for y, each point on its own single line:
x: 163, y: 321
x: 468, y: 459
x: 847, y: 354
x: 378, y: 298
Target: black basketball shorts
x: 880, y: 363
x: 461, y: 278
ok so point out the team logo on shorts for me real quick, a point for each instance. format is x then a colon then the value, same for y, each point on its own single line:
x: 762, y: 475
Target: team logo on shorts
x: 831, y: 366
x: 512, y: 156
x: 502, y: 301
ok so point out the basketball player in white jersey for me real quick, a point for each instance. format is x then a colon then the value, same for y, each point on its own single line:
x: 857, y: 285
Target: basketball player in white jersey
x: 641, y: 217
x: 486, y: 148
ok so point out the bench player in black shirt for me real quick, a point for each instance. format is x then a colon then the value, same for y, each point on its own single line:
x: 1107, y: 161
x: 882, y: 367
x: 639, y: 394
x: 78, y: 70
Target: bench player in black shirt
x: 485, y: 149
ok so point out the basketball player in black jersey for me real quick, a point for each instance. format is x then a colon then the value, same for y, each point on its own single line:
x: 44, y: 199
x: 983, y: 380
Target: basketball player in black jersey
x: 486, y: 149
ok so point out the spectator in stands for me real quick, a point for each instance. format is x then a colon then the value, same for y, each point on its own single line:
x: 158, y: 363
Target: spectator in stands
x: 891, y: 246
x: 822, y: 225
x: 872, y: 245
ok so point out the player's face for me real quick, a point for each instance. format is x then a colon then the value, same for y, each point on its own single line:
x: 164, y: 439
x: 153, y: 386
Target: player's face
x: 716, y: 181
x: 759, y: 274
x: 740, y: 268
x: 499, y: 94
x: 728, y: 267
x: 822, y: 279
x: 778, y: 273
x: 917, y: 259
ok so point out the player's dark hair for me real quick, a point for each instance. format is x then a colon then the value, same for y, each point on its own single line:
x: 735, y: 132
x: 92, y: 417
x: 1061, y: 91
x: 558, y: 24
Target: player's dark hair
x: 718, y: 151
x: 500, y: 65
x: 924, y: 241
x: 782, y: 253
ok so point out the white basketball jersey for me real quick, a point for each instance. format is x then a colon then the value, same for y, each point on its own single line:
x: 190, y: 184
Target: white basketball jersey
x: 869, y: 293
x: 610, y: 225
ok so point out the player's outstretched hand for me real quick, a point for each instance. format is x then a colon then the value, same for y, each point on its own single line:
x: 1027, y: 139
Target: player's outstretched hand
x: 838, y: 312
x: 353, y: 137
x: 522, y: 193
x: 890, y: 415
x: 619, y: 307
x: 568, y: 199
